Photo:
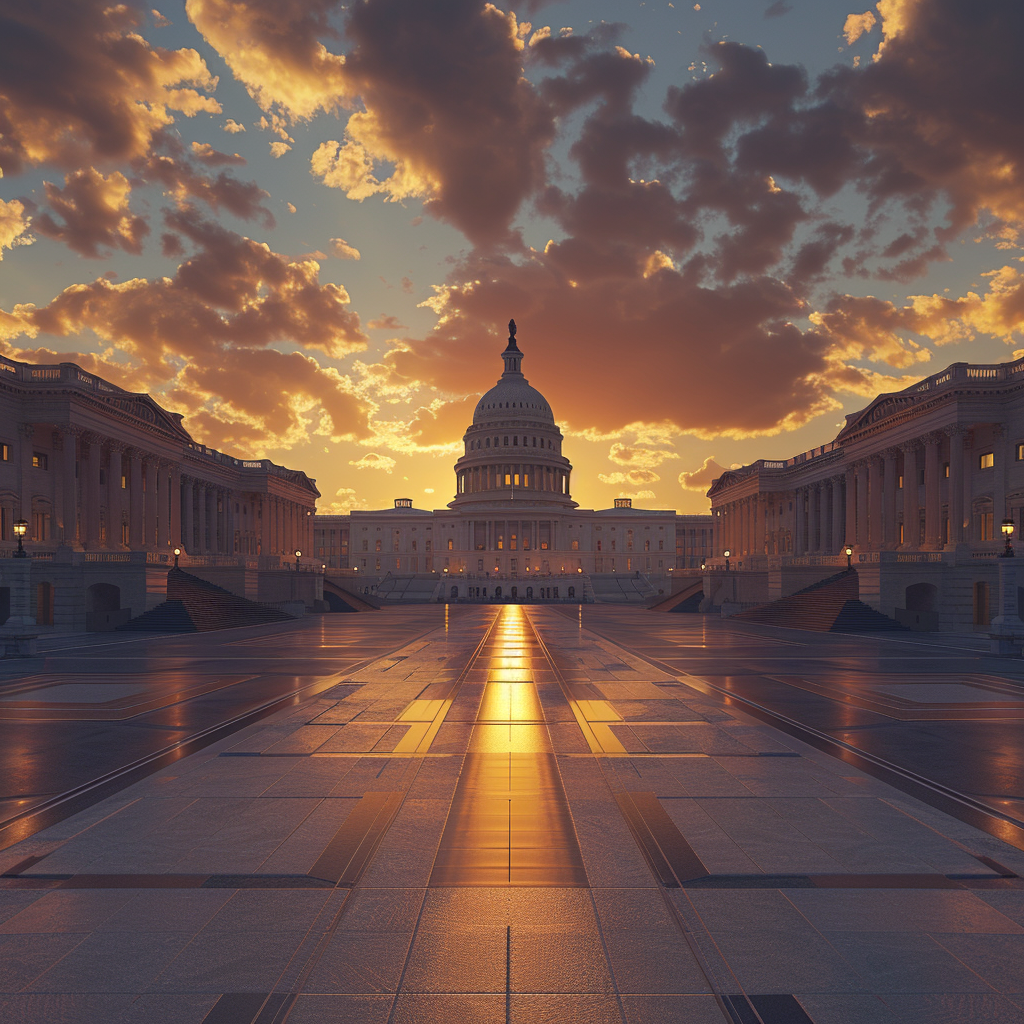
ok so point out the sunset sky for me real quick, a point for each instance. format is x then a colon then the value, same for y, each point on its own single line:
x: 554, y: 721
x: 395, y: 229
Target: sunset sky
x: 305, y: 224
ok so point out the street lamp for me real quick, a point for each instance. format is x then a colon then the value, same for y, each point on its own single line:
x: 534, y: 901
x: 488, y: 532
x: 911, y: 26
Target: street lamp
x: 20, y: 528
x: 1007, y: 528
x: 298, y: 555
x: 726, y: 553
x: 849, y: 557
x: 177, y: 551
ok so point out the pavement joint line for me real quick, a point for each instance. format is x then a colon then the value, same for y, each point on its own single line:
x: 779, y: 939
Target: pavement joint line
x: 981, y: 815
x: 56, y: 808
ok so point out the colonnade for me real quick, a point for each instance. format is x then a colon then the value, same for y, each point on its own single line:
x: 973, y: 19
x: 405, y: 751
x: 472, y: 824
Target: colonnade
x: 894, y: 498
x: 517, y: 475
x: 107, y: 495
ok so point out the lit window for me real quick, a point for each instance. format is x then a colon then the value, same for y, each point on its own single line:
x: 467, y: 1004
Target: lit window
x: 39, y: 461
x: 451, y: 544
x: 986, y: 460
x: 5, y: 453
x: 945, y: 470
x: 1020, y: 452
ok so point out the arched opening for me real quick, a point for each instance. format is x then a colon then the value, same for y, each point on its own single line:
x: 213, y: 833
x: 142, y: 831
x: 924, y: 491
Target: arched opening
x: 922, y: 597
x: 497, y: 592
x: 44, y: 604
x: 529, y: 593
x: 103, y: 608
x: 572, y: 593
x: 515, y: 593
x: 454, y: 593
x: 982, y: 616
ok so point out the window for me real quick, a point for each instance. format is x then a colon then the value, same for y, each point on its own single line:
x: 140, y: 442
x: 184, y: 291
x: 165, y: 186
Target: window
x: 575, y: 545
x: 5, y: 452
x: 39, y: 461
x: 599, y: 544
x: 899, y: 484
x: 506, y: 442
x: 985, y: 524
x: 366, y: 547
x: 945, y: 470
x: 451, y: 544
x: 986, y: 460
x: 377, y: 547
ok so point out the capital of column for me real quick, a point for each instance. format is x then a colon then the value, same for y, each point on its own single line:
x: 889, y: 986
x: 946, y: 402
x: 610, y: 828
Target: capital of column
x: 117, y: 447
x: 57, y: 441
x: 955, y: 430
x: 27, y: 430
x: 70, y: 429
x: 933, y: 438
x: 909, y: 447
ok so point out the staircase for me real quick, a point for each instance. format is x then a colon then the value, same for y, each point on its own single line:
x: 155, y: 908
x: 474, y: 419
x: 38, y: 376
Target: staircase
x: 831, y: 605
x: 196, y: 606
x: 621, y: 588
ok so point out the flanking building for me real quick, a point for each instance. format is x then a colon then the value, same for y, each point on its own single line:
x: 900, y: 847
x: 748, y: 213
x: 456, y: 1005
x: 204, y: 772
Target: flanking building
x: 109, y: 484
x: 513, y: 531
x: 917, y: 485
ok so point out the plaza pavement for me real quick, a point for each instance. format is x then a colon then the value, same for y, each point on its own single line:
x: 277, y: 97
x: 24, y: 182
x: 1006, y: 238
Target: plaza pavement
x: 513, y: 817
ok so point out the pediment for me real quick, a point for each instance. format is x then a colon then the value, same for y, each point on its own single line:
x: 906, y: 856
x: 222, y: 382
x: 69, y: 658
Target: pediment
x: 880, y: 409
x: 142, y: 407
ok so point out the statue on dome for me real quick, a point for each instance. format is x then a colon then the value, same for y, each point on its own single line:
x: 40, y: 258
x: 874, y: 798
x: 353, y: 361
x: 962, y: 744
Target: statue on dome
x: 511, y: 330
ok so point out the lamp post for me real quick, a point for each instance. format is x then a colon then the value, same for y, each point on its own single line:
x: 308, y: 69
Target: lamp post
x: 1007, y: 528
x: 849, y: 556
x: 177, y: 552
x: 726, y: 553
x: 298, y: 555
x: 20, y: 528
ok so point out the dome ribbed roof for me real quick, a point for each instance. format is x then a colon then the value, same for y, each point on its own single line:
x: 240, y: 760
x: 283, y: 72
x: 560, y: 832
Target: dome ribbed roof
x: 512, y: 398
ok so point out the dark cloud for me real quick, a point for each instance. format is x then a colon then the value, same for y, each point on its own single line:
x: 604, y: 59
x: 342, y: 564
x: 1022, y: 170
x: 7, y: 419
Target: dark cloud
x: 79, y: 86
x: 203, y: 338
x: 94, y: 214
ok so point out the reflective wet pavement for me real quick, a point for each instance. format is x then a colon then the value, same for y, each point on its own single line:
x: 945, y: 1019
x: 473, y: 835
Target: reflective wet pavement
x: 514, y: 818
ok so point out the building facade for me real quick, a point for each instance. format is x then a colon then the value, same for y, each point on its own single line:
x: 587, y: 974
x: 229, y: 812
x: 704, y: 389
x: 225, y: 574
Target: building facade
x: 110, y: 483
x: 513, y: 519
x: 917, y: 485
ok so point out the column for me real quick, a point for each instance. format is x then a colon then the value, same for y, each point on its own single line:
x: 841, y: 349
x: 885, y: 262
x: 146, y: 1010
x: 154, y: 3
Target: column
x: 150, y: 512
x: 876, y: 473
x: 136, y: 520
x: 850, y: 533
x: 999, y: 452
x: 911, y: 524
x: 24, y: 510
x: 759, y: 525
x: 957, y: 435
x: 266, y: 540
x: 175, y: 524
x: 163, y: 508
x: 188, y: 525
x: 115, y: 496
x: 861, y: 470
x: 798, y: 508
x: 91, y: 495
x: 970, y: 466
x: 823, y: 545
x: 932, y: 493
x: 838, y: 513
x: 201, y: 543
x: 69, y: 461
x: 890, y: 532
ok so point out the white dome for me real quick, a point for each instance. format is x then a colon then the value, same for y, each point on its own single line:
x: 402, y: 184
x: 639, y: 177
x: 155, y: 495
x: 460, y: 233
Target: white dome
x: 512, y: 398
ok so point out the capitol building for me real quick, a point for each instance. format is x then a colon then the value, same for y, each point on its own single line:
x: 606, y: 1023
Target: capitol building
x: 512, y: 530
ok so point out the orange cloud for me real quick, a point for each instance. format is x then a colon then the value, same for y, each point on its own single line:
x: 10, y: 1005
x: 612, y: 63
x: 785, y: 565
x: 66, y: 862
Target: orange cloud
x: 13, y: 225
x: 94, y: 214
x: 78, y: 85
x: 702, y: 477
